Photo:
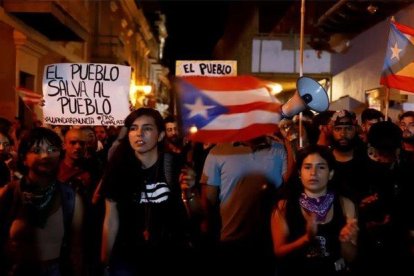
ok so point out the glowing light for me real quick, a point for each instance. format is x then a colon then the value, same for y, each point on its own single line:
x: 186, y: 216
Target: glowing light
x: 146, y: 89
x: 275, y: 88
x: 193, y: 129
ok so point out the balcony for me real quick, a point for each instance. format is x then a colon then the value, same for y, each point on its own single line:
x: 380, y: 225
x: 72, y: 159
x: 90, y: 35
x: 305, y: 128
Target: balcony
x: 53, y: 19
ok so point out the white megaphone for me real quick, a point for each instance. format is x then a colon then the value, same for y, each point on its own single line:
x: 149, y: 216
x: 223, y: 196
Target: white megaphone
x: 310, y: 94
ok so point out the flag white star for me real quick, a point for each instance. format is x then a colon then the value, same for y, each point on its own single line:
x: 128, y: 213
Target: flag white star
x: 395, y: 51
x: 198, y: 108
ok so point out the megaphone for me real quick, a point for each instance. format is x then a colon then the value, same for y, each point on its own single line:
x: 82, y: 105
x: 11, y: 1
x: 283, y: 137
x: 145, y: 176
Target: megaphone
x: 309, y: 94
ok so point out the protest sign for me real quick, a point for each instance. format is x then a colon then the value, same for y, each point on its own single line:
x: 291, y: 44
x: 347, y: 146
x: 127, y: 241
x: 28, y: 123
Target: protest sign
x: 211, y: 68
x: 86, y: 94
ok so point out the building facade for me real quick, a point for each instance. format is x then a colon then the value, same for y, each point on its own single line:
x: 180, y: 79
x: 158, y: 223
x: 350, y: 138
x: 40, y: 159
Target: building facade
x: 36, y: 33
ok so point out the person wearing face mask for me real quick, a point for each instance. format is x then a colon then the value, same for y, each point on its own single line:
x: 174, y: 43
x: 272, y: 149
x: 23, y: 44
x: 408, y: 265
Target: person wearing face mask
x: 384, y: 205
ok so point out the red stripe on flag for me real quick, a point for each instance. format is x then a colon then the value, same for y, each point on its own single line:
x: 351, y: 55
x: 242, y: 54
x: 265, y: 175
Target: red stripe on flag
x: 31, y: 100
x: 403, y: 28
x: 24, y: 92
x: 398, y: 82
x: 272, y: 107
x: 228, y: 84
x: 28, y: 97
x: 231, y: 135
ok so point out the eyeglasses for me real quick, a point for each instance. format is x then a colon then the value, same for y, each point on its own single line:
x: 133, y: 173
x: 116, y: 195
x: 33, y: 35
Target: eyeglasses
x: 49, y: 150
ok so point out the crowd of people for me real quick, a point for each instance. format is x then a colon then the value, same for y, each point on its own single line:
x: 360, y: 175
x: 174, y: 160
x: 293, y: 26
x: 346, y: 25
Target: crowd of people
x: 327, y: 195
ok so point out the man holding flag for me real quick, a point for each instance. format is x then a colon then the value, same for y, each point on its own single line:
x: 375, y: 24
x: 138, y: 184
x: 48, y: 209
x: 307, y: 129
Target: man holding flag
x: 242, y: 172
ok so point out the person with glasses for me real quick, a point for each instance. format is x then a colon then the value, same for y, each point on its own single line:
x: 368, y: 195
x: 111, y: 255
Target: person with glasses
x: 40, y: 217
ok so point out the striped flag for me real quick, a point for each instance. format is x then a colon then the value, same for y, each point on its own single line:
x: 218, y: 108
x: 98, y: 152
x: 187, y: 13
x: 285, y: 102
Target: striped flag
x: 226, y: 109
x: 29, y: 97
x: 398, y: 69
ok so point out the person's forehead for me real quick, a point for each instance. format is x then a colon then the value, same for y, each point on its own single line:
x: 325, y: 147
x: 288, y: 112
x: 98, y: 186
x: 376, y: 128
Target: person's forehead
x: 3, y: 138
x: 74, y: 135
x: 171, y: 124
x: 372, y: 121
x: 343, y: 126
x: 144, y: 120
x: 407, y: 119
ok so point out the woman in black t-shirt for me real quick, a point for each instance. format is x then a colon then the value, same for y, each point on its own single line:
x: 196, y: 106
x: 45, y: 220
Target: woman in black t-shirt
x: 144, y: 219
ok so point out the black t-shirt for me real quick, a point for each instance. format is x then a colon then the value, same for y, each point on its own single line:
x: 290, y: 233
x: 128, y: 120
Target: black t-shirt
x: 151, y: 214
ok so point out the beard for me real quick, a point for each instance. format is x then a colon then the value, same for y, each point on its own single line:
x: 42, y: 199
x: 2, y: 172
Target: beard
x: 175, y: 140
x: 344, y: 147
x: 4, y: 156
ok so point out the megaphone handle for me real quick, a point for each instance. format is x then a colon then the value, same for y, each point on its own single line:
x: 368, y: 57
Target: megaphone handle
x: 283, y: 115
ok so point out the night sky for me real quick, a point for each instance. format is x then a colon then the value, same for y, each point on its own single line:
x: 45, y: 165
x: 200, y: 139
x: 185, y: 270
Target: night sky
x: 193, y: 30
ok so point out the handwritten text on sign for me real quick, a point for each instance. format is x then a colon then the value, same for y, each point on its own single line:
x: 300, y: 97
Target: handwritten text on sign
x: 86, y: 94
x: 212, y: 68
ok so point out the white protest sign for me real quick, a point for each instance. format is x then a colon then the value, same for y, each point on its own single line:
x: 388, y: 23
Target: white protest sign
x: 211, y: 68
x: 86, y: 94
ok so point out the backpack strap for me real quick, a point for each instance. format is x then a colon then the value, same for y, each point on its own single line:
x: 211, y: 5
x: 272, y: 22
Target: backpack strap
x: 168, y: 170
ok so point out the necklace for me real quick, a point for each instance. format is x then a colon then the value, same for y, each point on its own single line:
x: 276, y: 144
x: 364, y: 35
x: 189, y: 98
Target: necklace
x: 148, y: 176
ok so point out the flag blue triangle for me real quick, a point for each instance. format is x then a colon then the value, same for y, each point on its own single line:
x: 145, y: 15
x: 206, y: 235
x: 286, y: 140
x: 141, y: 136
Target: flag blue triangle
x: 190, y: 95
x: 393, y: 65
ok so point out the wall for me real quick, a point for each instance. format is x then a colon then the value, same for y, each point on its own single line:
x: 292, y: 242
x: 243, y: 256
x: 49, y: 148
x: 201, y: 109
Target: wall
x: 7, y: 72
x: 359, y: 69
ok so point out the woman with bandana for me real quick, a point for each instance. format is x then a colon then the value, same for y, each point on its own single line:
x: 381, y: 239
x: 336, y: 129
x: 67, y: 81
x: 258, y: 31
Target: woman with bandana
x: 314, y: 230
x: 40, y: 217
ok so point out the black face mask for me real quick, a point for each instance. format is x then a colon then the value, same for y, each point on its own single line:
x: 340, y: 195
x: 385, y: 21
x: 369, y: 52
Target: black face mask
x: 379, y: 167
x: 408, y: 140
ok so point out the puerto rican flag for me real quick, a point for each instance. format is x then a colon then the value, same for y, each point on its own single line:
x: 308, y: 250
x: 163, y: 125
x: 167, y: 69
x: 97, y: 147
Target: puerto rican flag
x: 29, y: 97
x: 226, y: 109
x: 398, y: 70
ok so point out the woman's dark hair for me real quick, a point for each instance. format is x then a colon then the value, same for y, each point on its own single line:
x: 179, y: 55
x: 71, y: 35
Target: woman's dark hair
x: 6, y: 134
x: 385, y: 136
x: 121, y: 168
x: 35, y: 137
x: 145, y: 111
x: 293, y: 188
x: 323, y: 151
